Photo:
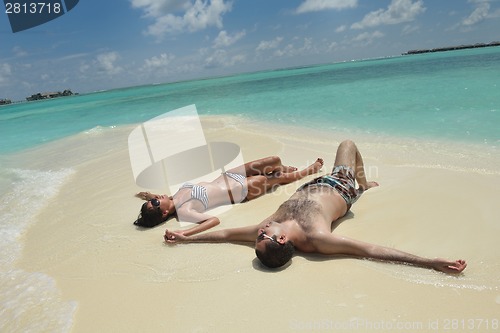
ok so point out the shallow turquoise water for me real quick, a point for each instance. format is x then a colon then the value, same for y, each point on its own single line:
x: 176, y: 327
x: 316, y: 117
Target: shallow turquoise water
x: 449, y: 95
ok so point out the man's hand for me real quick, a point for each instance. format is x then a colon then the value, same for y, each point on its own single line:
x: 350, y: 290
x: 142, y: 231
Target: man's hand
x: 173, y: 237
x: 449, y: 267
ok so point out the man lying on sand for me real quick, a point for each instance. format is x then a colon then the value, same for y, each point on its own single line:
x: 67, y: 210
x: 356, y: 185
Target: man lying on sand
x: 239, y: 184
x: 305, y: 222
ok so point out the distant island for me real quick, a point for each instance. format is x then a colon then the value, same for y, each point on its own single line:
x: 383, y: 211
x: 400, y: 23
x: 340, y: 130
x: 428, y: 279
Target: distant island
x: 5, y: 101
x: 453, y: 48
x: 48, y: 95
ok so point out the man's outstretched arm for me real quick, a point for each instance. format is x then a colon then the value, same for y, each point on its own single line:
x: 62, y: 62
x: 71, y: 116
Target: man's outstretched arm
x: 331, y: 244
x: 243, y: 234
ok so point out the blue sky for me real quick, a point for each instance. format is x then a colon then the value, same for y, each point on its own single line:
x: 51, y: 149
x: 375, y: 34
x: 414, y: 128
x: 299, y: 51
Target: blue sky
x: 102, y: 45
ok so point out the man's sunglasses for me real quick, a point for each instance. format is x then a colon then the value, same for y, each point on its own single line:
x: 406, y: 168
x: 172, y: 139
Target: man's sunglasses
x: 263, y: 235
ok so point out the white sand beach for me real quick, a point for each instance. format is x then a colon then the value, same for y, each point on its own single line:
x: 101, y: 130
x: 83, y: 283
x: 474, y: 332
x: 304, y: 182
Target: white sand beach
x: 434, y: 200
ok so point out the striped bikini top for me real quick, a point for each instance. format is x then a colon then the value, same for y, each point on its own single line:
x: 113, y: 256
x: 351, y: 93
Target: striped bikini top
x: 198, y: 192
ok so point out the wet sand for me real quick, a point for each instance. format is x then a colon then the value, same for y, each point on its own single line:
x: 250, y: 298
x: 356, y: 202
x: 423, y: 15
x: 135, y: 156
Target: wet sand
x: 434, y: 200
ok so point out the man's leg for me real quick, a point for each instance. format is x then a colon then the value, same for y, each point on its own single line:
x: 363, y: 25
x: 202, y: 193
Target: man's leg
x: 348, y: 155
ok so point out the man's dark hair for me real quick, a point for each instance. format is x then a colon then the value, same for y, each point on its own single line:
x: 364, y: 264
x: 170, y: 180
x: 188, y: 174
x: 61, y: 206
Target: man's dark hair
x: 149, y: 218
x: 275, y: 254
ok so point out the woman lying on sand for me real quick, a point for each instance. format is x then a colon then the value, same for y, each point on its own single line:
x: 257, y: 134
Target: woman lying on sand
x: 240, y: 184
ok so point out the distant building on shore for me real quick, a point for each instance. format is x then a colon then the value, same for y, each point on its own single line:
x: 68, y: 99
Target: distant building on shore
x: 49, y: 95
x: 5, y: 101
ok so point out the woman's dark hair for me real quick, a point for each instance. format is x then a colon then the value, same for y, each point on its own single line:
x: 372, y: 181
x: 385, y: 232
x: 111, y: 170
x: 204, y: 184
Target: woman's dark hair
x: 149, y: 218
x: 275, y: 254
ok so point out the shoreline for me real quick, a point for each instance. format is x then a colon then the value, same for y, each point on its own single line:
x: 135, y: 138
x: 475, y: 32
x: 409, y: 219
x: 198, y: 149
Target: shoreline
x: 458, y: 151
x: 84, y: 238
x: 441, y: 153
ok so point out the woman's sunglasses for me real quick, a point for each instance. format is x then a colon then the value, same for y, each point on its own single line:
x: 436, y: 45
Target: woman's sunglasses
x: 155, y: 202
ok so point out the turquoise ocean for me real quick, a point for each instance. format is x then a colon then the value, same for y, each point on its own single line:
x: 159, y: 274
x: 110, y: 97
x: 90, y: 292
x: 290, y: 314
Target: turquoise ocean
x: 447, y: 96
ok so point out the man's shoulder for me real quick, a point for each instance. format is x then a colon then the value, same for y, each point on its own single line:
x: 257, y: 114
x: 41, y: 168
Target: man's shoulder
x: 311, y: 241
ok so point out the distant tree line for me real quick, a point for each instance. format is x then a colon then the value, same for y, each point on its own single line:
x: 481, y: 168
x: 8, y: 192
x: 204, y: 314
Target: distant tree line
x: 452, y: 48
x: 48, y: 95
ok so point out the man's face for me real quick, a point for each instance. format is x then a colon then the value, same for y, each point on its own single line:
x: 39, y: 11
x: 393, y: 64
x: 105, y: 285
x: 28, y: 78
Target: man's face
x: 267, y: 234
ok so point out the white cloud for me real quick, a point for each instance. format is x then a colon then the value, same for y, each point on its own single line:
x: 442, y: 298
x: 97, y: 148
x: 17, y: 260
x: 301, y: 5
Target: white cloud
x: 153, y: 8
x: 237, y: 59
x: 193, y: 16
x: 399, y: 11
x: 220, y: 58
x: 333, y: 46
x: 106, y: 63
x: 5, y: 72
x: 84, y: 67
x: 269, y: 44
x: 224, y: 39
x: 342, y: 28
x: 368, y: 37
x: 158, y: 63
x: 291, y: 50
x: 409, y: 29
x: 478, y: 15
x: 319, y: 5
x: 73, y: 56
x: 18, y: 51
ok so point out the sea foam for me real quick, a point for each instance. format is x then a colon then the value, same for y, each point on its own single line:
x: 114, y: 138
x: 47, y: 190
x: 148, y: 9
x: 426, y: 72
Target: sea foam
x: 29, y: 301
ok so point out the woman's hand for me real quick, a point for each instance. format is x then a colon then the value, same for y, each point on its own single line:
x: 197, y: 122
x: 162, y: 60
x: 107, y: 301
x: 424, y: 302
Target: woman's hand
x: 146, y: 195
x: 173, y: 237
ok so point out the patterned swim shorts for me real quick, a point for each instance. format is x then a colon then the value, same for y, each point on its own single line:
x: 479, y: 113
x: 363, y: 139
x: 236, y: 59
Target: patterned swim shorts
x: 341, y: 180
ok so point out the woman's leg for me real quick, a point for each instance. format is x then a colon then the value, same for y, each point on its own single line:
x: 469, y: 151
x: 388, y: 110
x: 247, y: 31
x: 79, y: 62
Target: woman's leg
x: 263, y: 166
x: 261, y: 184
